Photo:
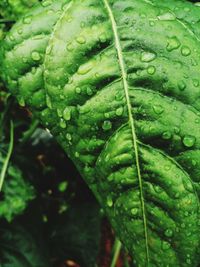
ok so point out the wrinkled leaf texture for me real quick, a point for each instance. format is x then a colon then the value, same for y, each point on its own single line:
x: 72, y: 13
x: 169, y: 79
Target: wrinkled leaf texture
x: 117, y: 83
x: 13, y: 9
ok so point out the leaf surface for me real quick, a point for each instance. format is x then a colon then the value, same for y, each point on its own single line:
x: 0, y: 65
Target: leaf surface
x: 117, y: 83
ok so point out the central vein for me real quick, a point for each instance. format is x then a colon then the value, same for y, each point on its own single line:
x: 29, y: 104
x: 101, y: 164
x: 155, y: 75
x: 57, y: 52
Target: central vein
x: 130, y: 115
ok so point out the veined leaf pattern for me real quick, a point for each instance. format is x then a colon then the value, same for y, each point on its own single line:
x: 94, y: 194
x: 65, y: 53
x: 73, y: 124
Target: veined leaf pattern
x: 117, y: 83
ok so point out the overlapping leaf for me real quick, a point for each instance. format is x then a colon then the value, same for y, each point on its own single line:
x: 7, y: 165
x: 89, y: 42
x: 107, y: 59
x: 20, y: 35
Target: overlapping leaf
x: 117, y: 83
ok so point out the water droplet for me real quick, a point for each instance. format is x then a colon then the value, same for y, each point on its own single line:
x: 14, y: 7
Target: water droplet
x: 186, y: 213
x: 107, y: 125
x: 167, y: 16
x: 21, y: 101
x: 167, y: 135
x: 63, y: 124
x: 27, y: 19
x: 197, y: 120
x: 20, y: 31
x: 84, y: 69
x: 89, y: 91
x: 151, y: 70
x: 102, y: 38
x: 158, y: 109
x: 185, y: 51
x: 49, y: 49
x: 134, y: 211
x: 158, y: 189
x: 60, y: 113
x: 24, y: 59
x: 49, y: 11
x: 78, y: 90
x: 97, y: 75
x: 35, y: 56
x: 189, y: 140
x: 176, y: 195
x: 196, y: 82
x: 119, y: 96
x: 173, y: 43
x: 67, y: 114
x: 70, y: 80
x: 188, y: 261
x: 82, y: 24
x: 48, y: 101
x: 109, y: 201
x: 165, y: 245
x: 194, y: 163
x: 11, y: 37
x: 168, y: 233
x: 46, y: 3
x: 151, y: 23
x: 167, y: 167
x: 119, y: 111
x: 76, y: 154
x: 69, y: 19
x: 70, y: 47
x: 188, y: 186
x: 182, y: 225
x: 81, y: 40
x: 147, y: 56
x: 68, y: 136
x: 107, y: 115
x: 181, y: 85
x: 62, y: 187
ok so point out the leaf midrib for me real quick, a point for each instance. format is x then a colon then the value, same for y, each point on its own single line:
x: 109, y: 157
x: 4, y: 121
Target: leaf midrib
x: 130, y: 117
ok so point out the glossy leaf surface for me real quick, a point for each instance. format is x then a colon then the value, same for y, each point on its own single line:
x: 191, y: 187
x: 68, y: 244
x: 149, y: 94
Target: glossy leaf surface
x: 117, y: 83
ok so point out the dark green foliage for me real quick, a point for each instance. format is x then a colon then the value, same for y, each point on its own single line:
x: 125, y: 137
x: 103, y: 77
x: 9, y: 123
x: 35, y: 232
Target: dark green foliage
x: 76, y: 234
x: 117, y: 83
x: 30, y: 242
x: 19, y: 248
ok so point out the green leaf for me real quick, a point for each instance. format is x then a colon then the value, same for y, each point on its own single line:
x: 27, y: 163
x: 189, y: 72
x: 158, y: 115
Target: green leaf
x: 19, y: 248
x: 16, y: 193
x: 117, y: 83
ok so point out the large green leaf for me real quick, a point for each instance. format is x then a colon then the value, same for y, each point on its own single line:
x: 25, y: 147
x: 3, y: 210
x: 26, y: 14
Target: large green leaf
x: 117, y: 83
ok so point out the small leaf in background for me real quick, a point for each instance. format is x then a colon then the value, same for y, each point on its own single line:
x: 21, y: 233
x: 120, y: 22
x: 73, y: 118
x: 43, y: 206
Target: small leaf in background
x: 16, y: 193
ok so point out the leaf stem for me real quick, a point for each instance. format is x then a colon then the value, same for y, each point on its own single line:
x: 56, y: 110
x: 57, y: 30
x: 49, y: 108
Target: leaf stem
x: 117, y: 249
x: 6, y: 162
x: 29, y: 132
x: 126, y: 263
x: 3, y: 115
